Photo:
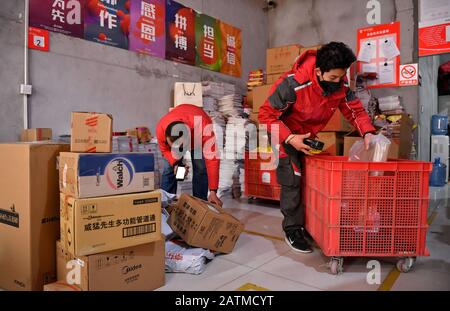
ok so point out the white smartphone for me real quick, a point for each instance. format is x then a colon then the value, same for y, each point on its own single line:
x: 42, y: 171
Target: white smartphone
x: 181, y: 172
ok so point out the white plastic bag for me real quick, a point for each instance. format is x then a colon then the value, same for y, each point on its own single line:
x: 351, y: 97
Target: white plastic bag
x: 185, y: 259
x: 378, y: 150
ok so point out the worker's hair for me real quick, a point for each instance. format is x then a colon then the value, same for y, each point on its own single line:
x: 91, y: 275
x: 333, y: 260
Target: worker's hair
x: 334, y: 55
x: 171, y: 130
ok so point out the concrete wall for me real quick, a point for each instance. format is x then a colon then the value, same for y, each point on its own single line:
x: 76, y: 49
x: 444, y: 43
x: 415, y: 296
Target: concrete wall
x: 11, y: 68
x: 312, y: 22
x: 81, y: 75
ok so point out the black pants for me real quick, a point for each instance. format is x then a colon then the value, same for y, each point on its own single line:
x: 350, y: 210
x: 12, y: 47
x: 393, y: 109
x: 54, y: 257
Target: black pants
x: 291, y: 204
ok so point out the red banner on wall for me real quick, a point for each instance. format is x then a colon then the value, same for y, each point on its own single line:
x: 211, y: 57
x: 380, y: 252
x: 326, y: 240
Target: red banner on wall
x: 434, y: 27
x: 231, y: 50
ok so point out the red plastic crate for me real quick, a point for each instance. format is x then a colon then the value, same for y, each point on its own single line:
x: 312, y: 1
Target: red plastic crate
x: 367, y: 209
x: 260, y: 176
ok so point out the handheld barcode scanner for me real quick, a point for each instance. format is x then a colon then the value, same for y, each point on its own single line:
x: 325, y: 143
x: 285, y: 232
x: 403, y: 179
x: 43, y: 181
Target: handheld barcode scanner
x: 315, y: 144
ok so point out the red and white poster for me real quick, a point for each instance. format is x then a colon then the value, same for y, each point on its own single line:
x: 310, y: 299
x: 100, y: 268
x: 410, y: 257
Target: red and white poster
x: 379, y: 54
x: 409, y: 75
x: 434, y: 27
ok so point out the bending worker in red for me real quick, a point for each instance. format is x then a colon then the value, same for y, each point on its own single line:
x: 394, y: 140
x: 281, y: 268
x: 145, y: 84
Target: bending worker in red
x: 189, y: 128
x: 300, y: 104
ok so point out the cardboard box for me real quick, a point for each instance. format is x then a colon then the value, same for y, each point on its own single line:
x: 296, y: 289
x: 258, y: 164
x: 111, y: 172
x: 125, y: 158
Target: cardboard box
x: 334, y: 142
x: 91, y: 132
x: 307, y: 48
x: 37, y: 134
x: 338, y: 123
x: 96, y: 225
x: 271, y: 79
x: 29, y: 214
x: 281, y: 59
x: 254, y: 117
x: 137, y: 268
x: 259, y: 96
x: 201, y: 224
x: 61, y: 287
x: 87, y: 175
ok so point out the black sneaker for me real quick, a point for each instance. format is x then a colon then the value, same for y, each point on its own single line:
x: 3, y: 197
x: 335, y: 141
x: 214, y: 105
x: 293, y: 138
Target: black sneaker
x: 307, y: 236
x: 297, y: 242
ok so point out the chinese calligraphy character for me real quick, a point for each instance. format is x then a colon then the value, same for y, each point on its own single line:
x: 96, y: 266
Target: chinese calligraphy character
x: 208, y: 32
x: 181, y: 42
x: 56, y: 14
x: 112, y: 19
x: 148, y: 32
x: 58, y: 3
x: 231, y: 58
x: 231, y: 41
x: 208, y: 50
x: 148, y: 10
x: 180, y: 22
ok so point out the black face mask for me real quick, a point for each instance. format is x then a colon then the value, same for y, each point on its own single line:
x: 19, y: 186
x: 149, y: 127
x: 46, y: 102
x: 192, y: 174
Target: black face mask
x: 330, y: 87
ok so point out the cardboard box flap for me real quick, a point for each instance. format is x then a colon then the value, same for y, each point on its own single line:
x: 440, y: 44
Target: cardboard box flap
x: 94, y: 113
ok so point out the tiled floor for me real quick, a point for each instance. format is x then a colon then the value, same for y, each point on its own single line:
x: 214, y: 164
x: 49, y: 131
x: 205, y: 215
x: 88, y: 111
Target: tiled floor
x: 262, y: 261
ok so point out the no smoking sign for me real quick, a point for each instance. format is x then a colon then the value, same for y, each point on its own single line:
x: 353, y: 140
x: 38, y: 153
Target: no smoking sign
x: 409, y: 75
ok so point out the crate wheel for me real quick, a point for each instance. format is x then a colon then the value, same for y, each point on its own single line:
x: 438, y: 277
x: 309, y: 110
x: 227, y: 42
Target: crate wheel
x: 405, y: 264
x: 336, y: 265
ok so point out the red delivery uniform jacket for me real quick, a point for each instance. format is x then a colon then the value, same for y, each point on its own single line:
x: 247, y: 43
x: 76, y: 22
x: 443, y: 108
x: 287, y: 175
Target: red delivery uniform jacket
x: 297, y: 104
x: 186, y: 113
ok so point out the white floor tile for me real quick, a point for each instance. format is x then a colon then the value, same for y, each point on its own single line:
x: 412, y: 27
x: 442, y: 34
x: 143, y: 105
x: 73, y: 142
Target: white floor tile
x: 256, y: 280
x: 422, y: 280
x: 254, y: 251
x: 218, y: 273
x: 311, y: 270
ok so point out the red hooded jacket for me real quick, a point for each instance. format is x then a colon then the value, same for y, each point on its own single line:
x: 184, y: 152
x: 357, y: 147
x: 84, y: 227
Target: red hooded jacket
x: 298, y: 105
x: 186, y: 114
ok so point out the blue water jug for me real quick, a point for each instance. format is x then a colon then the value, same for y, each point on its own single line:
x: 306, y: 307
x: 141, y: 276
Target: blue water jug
x: 439, y: 125
x: 437, y: 178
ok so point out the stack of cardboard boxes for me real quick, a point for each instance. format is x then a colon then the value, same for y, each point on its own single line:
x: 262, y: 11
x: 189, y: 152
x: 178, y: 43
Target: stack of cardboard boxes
x: 110, y: 220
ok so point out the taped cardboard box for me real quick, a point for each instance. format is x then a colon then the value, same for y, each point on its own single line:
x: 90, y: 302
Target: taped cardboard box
x: 338, y: 123
x: 61, y: 287
x: 259, y: 96
x: 136, y: 268
x: 281, y: 59
x: 29, y: 214
x: 96, y: 225
x: 91, y: 132
x: 201, y: 224
x: 334, y: 142
x: 37, y: 134
x: 308, y: 48
x: 86, y: 175
x: 272, y: 78
x: 254, y: 118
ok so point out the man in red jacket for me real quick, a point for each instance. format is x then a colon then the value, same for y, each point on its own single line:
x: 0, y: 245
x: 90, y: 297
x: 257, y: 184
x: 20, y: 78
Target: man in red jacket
x: 188, y: 127
x: 300, y: 104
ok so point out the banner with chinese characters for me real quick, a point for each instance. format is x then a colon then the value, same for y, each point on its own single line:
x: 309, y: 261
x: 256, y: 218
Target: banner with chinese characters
x: 180, y: 33
x: 207, y: 42
x: 434, y: 27
x: 63, y: 16
x: 147, y: 30
x: 231, y: 50
x: 107, y: 22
